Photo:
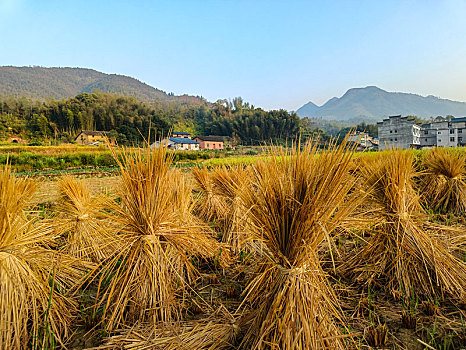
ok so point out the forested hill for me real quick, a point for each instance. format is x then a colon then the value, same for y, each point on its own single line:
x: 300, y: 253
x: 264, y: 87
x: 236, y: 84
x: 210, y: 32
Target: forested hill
x: 128, y: 119
x: 59, y: 83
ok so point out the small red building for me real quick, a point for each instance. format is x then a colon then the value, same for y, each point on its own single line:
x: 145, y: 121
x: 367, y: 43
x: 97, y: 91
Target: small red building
x: 213, y: 142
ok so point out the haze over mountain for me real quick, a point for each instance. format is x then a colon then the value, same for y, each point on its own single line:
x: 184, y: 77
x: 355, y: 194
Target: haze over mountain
x: 372, y: 104
x: 60, y: 83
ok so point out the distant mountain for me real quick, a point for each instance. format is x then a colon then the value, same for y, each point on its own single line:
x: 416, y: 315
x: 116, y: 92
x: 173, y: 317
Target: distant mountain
x: 372, y: 104
x: 60, y: 83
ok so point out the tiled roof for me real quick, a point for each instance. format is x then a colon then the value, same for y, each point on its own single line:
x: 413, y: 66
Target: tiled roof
x: 214, y: 138
x: 182, y: 140
x: 181, y: 133
x: 94, y: 133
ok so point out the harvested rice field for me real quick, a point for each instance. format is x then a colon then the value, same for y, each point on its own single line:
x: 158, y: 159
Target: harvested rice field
x: 303, y: 249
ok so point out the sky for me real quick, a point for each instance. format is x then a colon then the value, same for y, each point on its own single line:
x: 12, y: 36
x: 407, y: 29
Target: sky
x: 274, y: 54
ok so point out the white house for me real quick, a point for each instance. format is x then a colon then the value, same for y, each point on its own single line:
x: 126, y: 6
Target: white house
x: 178, y: 143
x: 444, y: 133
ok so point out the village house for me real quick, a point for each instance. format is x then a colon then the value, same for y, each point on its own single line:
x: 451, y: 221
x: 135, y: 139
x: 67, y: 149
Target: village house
x: 178, y: 143
x: 214, y: 142
x: 444, y: 133
x: 181, y: 134
x: 459, y: 124
x: 363, y: 140
x: 95, y: 138
x: 398, y: 132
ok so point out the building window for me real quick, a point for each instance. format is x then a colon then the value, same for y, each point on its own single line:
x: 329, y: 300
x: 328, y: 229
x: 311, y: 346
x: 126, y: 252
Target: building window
x: 426, y: 132
x: 426, y: 140
x: 452, y: 131
x: 396, y: 131
x: 396, y: 139
x: 440, y: 133
x: 391, y: 140
x: 452, y: 139
x: 460, y: 139
x: 391, y: 131
x: 460, y: 131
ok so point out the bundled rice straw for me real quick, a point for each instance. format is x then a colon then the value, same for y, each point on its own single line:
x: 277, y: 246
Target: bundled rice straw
x: 227, y: 183
x: 401, y: 255
x: 444, y: 183
x: 209, y: 206
x: 33, y: 312
x: 152, y: 264
x: 219, y: 202
x: 295, y: 200
x: 81, y: 220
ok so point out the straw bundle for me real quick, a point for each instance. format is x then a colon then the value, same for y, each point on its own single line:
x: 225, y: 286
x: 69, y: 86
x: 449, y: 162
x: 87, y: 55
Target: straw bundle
x: 227, y: 183
x: 152, y: 264
x: 33, y: 312
x: 400, y: 254
x: 81, y: 220
x: 209, y: 206
x: 444, y: 183
x: 295, y: 200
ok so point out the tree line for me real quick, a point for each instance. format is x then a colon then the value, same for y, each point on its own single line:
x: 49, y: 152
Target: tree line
x: 130, y: 120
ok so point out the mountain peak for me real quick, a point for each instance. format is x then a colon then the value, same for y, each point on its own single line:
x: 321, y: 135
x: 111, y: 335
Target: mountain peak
x: 363, y: 90
x: 372, y: 104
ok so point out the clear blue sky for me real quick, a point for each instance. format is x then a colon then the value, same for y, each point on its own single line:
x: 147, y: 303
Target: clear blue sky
x: 275, y: 54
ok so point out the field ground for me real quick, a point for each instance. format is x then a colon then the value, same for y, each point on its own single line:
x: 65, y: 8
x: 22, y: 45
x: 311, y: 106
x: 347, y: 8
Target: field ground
x: 48, y: 189
x: 437, y: 325
x: 369, y: 311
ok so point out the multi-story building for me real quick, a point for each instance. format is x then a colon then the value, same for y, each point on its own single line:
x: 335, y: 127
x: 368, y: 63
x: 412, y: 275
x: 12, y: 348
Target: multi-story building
x: 428, y: 136
x: 459, y: 124
x: 444, y: 133
x: 398, y: 132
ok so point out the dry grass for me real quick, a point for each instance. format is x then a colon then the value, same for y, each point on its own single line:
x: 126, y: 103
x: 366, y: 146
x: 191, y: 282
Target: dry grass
x: 215, y: 332
x: 301, y: 214
x: 228, y: 182
x: 151, y: 266
x: 33, y: 311
x: 80, y: 219
x: 209, y: 206
x: 400, y: 254
x: 295, y: 200
x: 219, y: 202
x: 444, y: 183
